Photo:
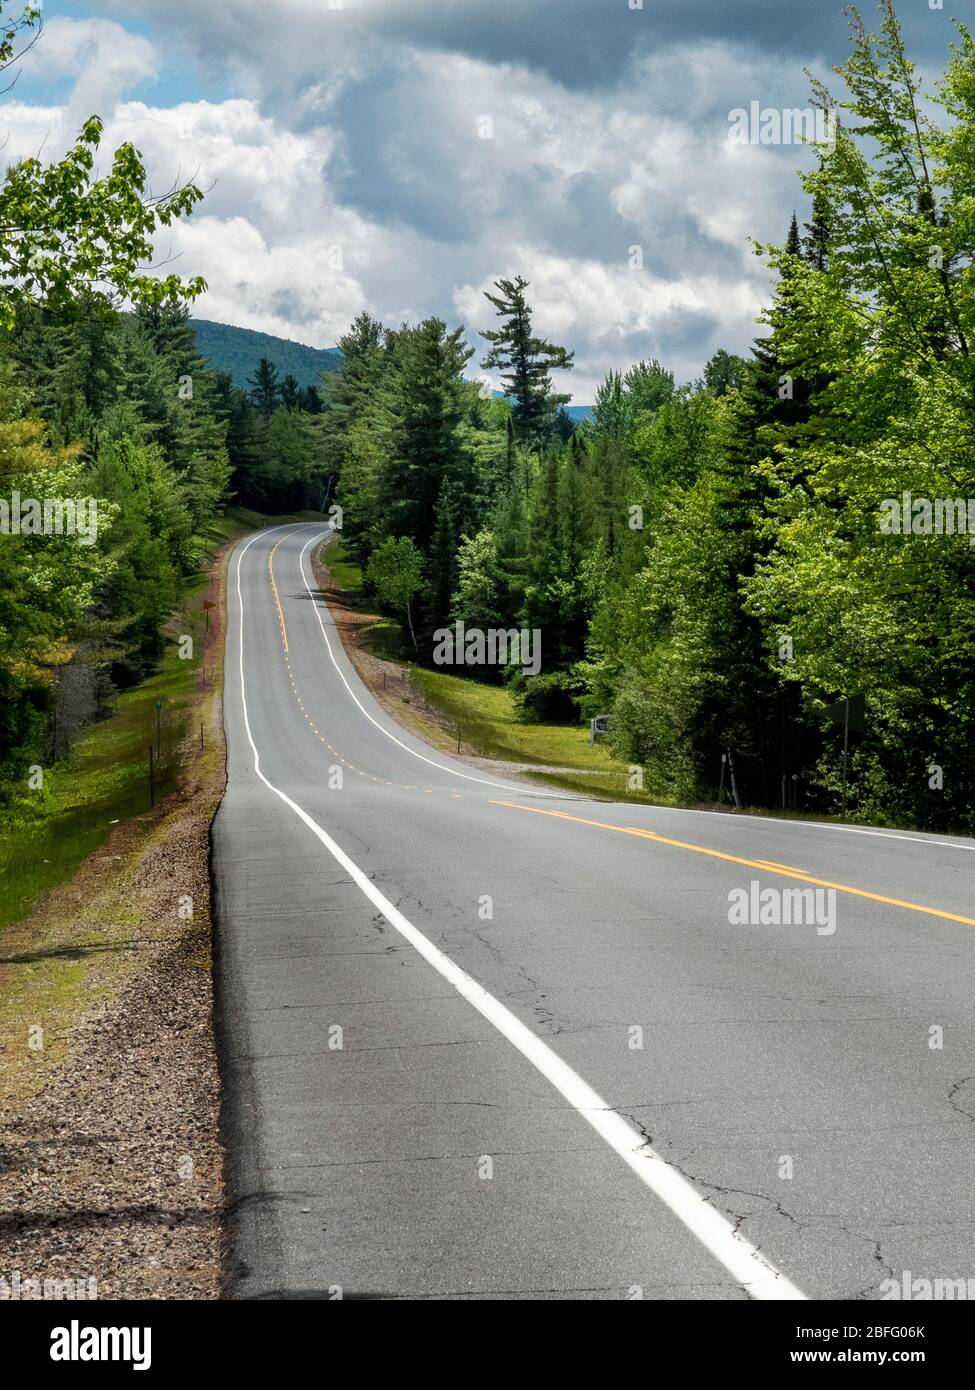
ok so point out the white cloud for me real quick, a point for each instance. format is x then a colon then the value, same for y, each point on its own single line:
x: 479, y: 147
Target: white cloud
x: 380, y: 156
x: 104, y: 59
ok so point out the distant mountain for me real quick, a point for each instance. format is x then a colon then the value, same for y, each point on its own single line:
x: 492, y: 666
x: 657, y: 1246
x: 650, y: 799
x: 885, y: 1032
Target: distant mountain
x: 576, y: 413
x: 237, y: 351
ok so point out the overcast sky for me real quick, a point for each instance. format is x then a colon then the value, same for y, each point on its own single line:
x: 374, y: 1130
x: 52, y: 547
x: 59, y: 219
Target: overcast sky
x: 360, y: 125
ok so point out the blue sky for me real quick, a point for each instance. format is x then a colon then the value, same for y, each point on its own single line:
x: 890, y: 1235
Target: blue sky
x: 398, y: 155
x: 178, y: 80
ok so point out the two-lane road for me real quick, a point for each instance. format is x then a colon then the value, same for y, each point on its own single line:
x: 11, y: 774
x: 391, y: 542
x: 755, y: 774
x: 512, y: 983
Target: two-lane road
x: 482, y: 1040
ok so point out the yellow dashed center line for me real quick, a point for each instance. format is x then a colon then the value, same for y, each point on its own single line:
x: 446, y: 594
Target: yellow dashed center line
x: 277, y: 600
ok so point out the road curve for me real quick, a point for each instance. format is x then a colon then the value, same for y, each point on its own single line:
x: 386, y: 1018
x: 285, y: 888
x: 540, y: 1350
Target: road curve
x: 483, y: 1041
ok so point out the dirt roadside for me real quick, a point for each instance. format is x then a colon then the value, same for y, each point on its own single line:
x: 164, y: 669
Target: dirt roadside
x: 111, y: 1165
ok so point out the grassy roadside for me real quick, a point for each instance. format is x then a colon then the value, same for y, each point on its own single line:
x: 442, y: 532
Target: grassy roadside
x: 105, y: 778
x: 461, y: 715
x: 71, y: 910
x: 66, y: 873
x: 480, y: 721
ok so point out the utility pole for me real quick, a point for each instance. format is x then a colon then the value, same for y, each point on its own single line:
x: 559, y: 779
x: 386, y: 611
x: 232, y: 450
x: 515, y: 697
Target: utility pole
x: 846, y: 745
x: 849, y: 711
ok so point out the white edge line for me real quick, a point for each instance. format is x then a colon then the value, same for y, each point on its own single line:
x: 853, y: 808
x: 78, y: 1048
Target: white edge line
x: 745, y: 819
x: 536, y: 791
x: 757, y: 1275
x: 467, y: 776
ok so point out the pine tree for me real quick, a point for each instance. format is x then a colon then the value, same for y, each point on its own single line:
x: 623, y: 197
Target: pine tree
x: 265, y: 388
x: 241, y: 424
x: 525, y: 363
x: 289, y: 393
x: 442, y: 569
x: 310, y: 401
x: 815, y: 244
x: 428, y: 399
x: 348, y: 393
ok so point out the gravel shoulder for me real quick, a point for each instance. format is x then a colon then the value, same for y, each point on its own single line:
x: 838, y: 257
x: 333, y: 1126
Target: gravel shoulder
x: 110, y: 1146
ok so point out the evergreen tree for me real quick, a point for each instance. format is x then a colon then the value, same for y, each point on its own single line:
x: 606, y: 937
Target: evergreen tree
x: 526, y: 363
x: 289, y: 393
x: 347, y: 394
x: 265, y: 388
x: 309, y: 400
x: 428, y: 401
x: 724, y: 372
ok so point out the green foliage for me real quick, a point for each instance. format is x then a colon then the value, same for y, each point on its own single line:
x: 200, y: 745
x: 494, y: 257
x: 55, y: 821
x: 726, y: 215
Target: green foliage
x: 526, y: 363
x: 479, y: 597
x: 67, y: 237
x: 395, y: 571
x: 265, y: 389
x: 104, y: 416
x: 547, y: 699
x: 725, y: 372
x: 707, y: 562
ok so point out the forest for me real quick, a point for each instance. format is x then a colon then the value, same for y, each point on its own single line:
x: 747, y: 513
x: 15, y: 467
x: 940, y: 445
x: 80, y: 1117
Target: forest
x: 711, y: 564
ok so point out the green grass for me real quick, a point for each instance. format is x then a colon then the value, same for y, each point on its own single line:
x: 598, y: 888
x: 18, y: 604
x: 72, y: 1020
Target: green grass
x: 486, y: 717
x: 485, y: 714
x: 344, y: 570
x: 106, y: 776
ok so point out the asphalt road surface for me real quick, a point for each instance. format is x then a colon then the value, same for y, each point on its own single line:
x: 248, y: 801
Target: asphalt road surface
x: 487, y: 1041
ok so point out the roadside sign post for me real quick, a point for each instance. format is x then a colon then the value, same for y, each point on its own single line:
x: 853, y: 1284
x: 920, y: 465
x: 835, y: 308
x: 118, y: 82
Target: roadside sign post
x: 846, y: 749
x: 597, y: 726
x: 850, y: 711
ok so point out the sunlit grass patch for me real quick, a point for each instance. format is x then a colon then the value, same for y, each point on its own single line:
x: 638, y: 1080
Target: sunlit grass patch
x: 105, y: 778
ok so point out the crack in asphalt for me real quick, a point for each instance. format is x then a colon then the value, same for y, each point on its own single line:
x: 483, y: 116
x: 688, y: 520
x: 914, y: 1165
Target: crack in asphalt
x: 959, y: 1109
x: 638, y: 1124
x: 886, y: 1269
x: 819, y: 1221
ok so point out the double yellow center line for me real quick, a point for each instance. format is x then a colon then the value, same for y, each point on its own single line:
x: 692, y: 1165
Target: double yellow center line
x: 768, y: 865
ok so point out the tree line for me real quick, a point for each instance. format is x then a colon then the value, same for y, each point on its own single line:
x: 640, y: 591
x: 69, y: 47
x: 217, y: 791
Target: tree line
x: 122, y: 409
x: 709, y: 563
x: 712, y: 564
